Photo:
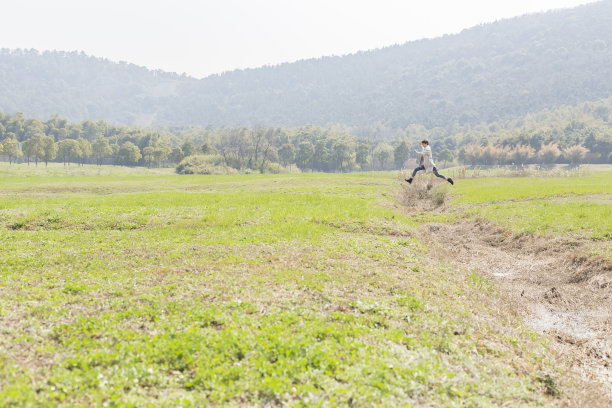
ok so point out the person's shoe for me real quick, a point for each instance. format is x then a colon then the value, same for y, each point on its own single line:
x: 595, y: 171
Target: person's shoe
x: 450, y: 180
x: 409, y: 180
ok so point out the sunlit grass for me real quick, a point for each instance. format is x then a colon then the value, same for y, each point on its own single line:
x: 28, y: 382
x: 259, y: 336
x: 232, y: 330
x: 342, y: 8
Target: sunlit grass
x: 541, y: 205
x: 541, y: 217
x: 313, y: 290
x: 487, y: 190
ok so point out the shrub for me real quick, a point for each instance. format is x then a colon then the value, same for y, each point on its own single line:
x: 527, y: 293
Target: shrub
x: 549, y: 153
x: 204, y: 164
x: 489, y: 155
x: 473, y: 154
x: 424, y: 192
x: 575, y: 154
x: 522, y: 154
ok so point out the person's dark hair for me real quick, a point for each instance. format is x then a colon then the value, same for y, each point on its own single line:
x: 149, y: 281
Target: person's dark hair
x: 425, y: 141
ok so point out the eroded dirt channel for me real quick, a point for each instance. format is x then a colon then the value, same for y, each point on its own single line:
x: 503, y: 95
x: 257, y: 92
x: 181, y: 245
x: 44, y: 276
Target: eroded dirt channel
x: 559, y: 291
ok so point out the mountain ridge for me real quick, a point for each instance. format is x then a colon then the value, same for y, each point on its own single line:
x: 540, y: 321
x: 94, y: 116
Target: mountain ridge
x: 485, y: 73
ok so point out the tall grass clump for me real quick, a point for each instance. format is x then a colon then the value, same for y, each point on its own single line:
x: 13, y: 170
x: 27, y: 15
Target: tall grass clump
x: 424, y: 192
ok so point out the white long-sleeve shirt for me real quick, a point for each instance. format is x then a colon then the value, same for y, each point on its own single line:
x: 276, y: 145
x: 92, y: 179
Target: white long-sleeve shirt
x: 427, y: 158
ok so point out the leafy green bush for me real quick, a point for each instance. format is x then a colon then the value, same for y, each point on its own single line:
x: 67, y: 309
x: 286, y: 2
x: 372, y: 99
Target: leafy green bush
x: 204, y: 164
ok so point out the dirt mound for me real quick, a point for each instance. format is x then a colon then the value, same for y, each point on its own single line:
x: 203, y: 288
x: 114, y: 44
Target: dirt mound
x: 588, y: 268
x: 561, y: 291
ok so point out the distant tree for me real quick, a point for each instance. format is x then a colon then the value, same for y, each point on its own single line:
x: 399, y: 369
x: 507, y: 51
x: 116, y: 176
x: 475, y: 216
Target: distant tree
x: 91, y: 131
x: 208, y: 148
x: 503, y: 155
x: 34, y: 128
x: 74, y: 131
x: 49, y: 148
x: 304, y: 155
x: 601, y: 145
x: 382, y: 153
x: 148, y: 154
x: 445, y: 156
x: 287, y: 154
x: 85, y: 150
x: 115, y: 155
x: 188, y: 148
x: 68, y: 149
x: 575, y: 154
x: 15, y: 126
x: 401, y: 154
x: 155, y: 155
x: 256, y: 140
x: 343, y: 156
x: 362, y: 155
x: 56, y: 127
x: 101, y: 149
x: 603, y: 112
x: 129, y: 154
x: 10, y: 147
x: 162, y: 152
x: 28, y: 149
x: 321, y: 156
x: 522, y: 154
x: 461, y: 156
x: 33, y: 147
x: 549, y: 153
x: 473, y: 154
x: 176, y: 155
x: 235, y: 148
x: 489, y: 155
x: 265, y: 151
x: 268, y: 154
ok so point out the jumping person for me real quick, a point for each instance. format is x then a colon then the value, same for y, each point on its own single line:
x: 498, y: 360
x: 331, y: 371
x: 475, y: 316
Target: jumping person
x: 427, y: 163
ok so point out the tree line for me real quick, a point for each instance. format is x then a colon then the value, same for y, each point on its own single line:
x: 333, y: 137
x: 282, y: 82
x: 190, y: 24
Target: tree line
x: 307, y: 148
x: 331, y: 148
x: 57, y: 139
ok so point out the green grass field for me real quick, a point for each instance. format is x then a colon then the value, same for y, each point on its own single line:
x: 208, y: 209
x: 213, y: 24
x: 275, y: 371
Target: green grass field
x: 542, y: 205
x: 129, y: 287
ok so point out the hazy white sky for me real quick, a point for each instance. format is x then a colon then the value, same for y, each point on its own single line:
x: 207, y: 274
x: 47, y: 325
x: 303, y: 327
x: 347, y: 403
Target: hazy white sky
x: 212, y: 36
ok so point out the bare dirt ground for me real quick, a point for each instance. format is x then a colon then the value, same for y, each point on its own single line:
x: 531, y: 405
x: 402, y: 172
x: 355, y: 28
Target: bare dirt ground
x: 556, y: 288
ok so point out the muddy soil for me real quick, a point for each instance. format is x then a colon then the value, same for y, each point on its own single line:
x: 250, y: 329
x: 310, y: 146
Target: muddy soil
x: 559, y: 291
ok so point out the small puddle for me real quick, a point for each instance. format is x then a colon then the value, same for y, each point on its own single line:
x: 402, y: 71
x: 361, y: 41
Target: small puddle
x: 567, y: 322
x: 500, y: 273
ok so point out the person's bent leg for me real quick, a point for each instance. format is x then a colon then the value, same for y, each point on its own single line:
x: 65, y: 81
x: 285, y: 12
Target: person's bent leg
x: 450, y: 180
x: 416, y: 170
x: 435, y: 171
x: 421, y: 167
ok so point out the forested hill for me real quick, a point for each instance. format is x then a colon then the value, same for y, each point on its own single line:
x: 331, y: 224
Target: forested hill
x: 490, y: 72
x: 78, y: 87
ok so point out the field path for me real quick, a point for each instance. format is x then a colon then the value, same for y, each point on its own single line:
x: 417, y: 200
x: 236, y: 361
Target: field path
x: 558, y: 291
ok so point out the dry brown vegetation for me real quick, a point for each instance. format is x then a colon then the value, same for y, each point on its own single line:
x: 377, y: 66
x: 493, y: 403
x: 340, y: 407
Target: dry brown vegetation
x: 425, y: 193
x: 553, y: 283
x: 556, y: 289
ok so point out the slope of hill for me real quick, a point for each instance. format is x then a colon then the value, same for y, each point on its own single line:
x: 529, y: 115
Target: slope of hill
x: 78, y: 86
x: 487, y: 73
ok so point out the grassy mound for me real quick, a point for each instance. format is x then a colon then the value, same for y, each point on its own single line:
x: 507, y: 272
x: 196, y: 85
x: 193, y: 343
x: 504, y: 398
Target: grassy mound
x: 204, y: 164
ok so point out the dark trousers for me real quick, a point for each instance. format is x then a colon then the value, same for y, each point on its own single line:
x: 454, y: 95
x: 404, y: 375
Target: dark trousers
x: 422, y: 167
